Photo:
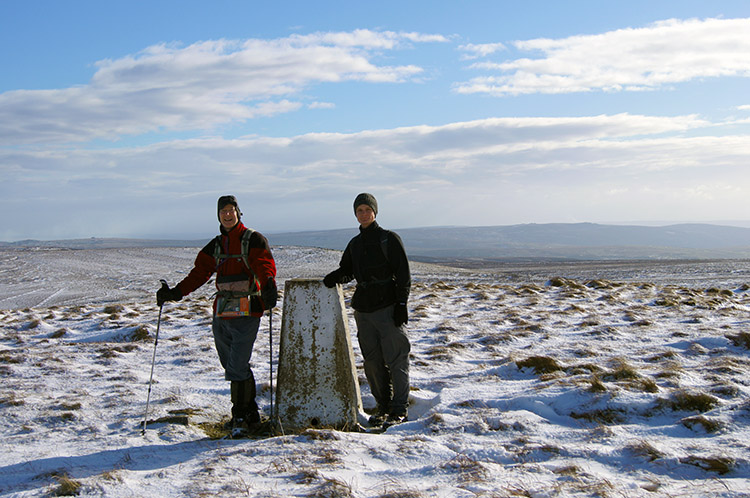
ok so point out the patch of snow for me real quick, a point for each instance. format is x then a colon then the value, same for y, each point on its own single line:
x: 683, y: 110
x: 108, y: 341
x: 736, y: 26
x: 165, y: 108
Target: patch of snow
x: 615, y: 381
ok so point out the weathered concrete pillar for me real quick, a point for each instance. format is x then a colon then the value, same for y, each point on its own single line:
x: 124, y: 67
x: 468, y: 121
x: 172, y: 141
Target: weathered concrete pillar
x: 317, y: 379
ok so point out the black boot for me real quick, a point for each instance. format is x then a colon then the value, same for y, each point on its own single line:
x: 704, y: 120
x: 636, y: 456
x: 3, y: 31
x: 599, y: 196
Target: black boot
x: 251, y: 413
x: 381, y: 413
x: 237, y: 392
x: 243, y: 401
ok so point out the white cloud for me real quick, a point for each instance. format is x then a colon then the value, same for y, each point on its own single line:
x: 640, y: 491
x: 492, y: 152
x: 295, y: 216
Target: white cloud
x: 474, y: 51
x: 493, y: 171
x: 655, y: 56
x: 322, y: 105
x: 200, y: 86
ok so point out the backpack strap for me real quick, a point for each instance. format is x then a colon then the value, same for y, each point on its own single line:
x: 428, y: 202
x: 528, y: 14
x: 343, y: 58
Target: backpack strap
x: 220, y: 257
x: 358, y: 244
x: 384, y: 246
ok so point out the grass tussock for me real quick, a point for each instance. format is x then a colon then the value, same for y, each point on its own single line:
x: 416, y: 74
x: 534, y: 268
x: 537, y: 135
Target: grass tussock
x: 435, y: 422
x: 213, y: 430
x: 445, y: 352
x: 741, y: 340
x: 10, y: 358
x: 670, y: 369
x: 113, y: 351
x: 61, y: 332
x: 709, y: 425
x: 567, y: 470
x: 307, y: 476
x: 684, y: 401
x: 726, y: 390
x: 720, y: 465
x: 606, y: 416
x: 540, y: 364
x: 622, y: 371
x: 11, y: 400
x: 66, y: 487
x: 111, y: 475
x: 468, y: 469
x: 64, y: 417
x: 596, y: 385
x: 713, y: 291
x: 332, y: 488
x: 113, y: 309
x: 667, y: 301
x: 584, y: 369
x: 69, y: 406
x: 407, y: 493
x: 644, y: 449
x: 627, y: 375
x: 139, y: 334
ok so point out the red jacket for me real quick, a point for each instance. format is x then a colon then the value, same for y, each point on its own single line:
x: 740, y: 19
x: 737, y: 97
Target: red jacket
x: 259, y: 257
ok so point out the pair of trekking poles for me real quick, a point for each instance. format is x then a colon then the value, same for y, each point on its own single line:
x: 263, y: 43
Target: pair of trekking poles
x: 156, y: 343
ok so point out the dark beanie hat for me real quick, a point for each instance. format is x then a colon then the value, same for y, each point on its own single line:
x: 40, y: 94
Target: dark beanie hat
x: 224, y: 200
x: 365, y: 198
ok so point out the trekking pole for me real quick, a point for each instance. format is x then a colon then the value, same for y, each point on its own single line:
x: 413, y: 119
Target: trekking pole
x: 270, y: 355
x: 153, y: 360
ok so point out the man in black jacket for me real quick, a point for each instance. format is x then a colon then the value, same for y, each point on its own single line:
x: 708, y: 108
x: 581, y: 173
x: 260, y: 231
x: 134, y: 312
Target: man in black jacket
x: 377, y: 260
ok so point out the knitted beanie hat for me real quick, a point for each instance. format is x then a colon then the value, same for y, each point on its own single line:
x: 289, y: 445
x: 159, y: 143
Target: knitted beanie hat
x: 368, y: 199
x: 224, y: 201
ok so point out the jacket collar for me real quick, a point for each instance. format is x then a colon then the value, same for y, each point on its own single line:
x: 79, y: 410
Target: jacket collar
x: 235, y: 229
x: 370, y: 229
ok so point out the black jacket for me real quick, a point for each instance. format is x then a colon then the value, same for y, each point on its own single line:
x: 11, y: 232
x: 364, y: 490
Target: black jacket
x: 377, y: 260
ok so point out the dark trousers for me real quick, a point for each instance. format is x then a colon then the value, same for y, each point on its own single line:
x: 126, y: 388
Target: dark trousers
x: 234, y: 339
x: 385, y: 348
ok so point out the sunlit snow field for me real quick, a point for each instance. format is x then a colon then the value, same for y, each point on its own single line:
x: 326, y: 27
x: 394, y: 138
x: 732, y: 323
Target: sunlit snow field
x: 538, y: 380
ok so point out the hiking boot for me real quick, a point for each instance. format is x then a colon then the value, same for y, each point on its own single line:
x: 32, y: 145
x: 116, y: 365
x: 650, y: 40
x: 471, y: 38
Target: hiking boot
x: 252, y: 417
x: 244, y: 406
x: 239, y: 424
x: 395, y: 418
x: 378, y: 418
x: 238, y: 427
x: 229, y: 424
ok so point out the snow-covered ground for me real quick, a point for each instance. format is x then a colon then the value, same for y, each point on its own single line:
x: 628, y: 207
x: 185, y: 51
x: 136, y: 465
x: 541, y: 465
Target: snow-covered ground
x: 608, y: 379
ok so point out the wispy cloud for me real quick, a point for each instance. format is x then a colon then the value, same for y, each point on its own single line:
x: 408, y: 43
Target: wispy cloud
x: 659, y: 55
x: 516, y: 169
x: 475, y: 51
x: 322, y: 105
x: 168, y: 87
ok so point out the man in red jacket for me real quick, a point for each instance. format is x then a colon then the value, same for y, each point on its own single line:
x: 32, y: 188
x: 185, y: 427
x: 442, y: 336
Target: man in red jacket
x: 245, y: 270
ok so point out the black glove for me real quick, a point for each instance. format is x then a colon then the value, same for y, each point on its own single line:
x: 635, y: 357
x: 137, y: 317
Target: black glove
x: 166, y: 294
x: 400, y: 315
x: 269, y: 294
x: 331, y: 279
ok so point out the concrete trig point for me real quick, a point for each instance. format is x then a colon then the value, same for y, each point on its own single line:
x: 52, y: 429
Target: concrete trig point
x: 317, y: 379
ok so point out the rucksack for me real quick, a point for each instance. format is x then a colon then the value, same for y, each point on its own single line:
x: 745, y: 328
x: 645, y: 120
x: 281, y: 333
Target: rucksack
x: 245, y: 250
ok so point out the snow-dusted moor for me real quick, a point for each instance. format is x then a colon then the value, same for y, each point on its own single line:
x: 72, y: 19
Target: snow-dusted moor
x: 590, y: 379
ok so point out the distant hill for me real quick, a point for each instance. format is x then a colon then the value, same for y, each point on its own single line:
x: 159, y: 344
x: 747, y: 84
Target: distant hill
x: 103, y: 243
x: 577, y: 241
x: 483, y: 245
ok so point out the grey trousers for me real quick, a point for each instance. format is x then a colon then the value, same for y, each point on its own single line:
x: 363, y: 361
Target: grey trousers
x: 385, y: 349
x: 234, y: 339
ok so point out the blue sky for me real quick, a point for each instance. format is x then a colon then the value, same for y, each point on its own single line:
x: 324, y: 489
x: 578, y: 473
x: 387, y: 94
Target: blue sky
x: 130, y: 118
